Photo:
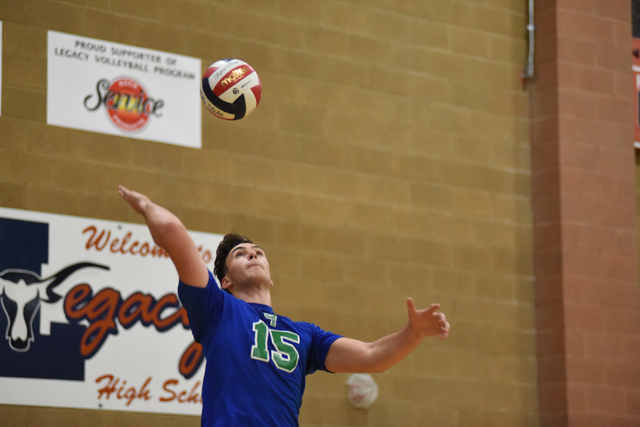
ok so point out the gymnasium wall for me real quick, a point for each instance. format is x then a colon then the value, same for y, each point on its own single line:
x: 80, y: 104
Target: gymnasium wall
x: 389, y: 158
x: 585, y: 220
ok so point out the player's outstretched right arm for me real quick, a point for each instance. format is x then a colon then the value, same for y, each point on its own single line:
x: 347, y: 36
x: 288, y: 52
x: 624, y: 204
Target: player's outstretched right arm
x: 349, y: 355
x: 171, y: 235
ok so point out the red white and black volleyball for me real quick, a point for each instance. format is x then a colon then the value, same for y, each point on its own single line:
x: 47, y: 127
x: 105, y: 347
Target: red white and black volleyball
x: 230, y: 89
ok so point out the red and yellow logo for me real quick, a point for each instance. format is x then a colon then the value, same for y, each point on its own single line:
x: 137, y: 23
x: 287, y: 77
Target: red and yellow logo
x: 127, y: 103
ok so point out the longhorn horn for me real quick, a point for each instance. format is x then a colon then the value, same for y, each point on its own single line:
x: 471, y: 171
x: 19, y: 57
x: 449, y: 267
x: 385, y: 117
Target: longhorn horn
x: 61, y: 275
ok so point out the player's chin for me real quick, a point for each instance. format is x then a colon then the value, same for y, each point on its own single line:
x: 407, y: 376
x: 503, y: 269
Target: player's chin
x: 259, y: 274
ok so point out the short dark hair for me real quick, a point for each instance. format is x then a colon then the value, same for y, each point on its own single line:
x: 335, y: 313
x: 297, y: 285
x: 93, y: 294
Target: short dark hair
x: 229, y: 242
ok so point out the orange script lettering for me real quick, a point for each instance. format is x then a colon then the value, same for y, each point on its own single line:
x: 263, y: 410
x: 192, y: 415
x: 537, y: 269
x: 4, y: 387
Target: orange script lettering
x: 182, y: 396
x: 120, y: 392
x: 102, y: 309
x: 126, y: 245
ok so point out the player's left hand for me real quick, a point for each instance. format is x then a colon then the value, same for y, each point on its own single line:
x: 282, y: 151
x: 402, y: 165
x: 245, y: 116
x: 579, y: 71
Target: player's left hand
x: 428, y: 322
x: 136, y: 200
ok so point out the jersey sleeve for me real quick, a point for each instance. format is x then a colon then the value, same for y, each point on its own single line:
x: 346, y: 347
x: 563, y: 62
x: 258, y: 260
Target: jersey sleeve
x: 203, y: 305
x: 322, y: 341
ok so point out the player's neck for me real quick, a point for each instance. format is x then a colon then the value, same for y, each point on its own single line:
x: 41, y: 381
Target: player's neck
x: 254, y: 295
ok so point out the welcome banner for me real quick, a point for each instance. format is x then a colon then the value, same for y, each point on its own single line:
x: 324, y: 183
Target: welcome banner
x: 90, y: 317
x: 111, y: 88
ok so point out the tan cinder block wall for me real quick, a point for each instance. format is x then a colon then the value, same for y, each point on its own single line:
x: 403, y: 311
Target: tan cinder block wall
x: 389, y: 158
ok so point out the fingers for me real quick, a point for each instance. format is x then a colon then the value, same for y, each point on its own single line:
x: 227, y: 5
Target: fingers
x: 432, y: 308
x: 134, y: 199
x: 444, y: 330
x: 444, y: 325
x: 125, y: 193
x: 439, y: 320
x: 410, y: 304
x: 429, y: 310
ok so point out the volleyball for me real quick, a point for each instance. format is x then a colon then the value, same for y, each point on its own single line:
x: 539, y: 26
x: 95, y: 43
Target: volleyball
x: 230, y: 89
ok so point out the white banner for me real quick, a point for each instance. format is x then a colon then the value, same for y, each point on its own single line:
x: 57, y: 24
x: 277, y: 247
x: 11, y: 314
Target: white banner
x: 90, y: 317
x: 111, y: 88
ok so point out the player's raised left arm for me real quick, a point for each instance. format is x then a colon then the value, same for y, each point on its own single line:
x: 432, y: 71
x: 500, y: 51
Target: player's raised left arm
x: 171, y: 235
x: 350, y: 355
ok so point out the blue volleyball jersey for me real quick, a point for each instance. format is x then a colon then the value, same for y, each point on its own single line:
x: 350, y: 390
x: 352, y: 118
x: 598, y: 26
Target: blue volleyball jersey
x: 256, y: 360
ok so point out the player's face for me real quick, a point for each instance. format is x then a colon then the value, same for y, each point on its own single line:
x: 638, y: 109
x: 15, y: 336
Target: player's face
x: 247, y: 264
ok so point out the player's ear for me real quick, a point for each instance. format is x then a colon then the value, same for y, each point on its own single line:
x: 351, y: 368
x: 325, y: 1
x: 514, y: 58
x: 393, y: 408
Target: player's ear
x: 225, y: 283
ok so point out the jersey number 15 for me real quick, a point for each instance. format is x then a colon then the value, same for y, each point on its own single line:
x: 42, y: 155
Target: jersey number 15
x: 285, y: 357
